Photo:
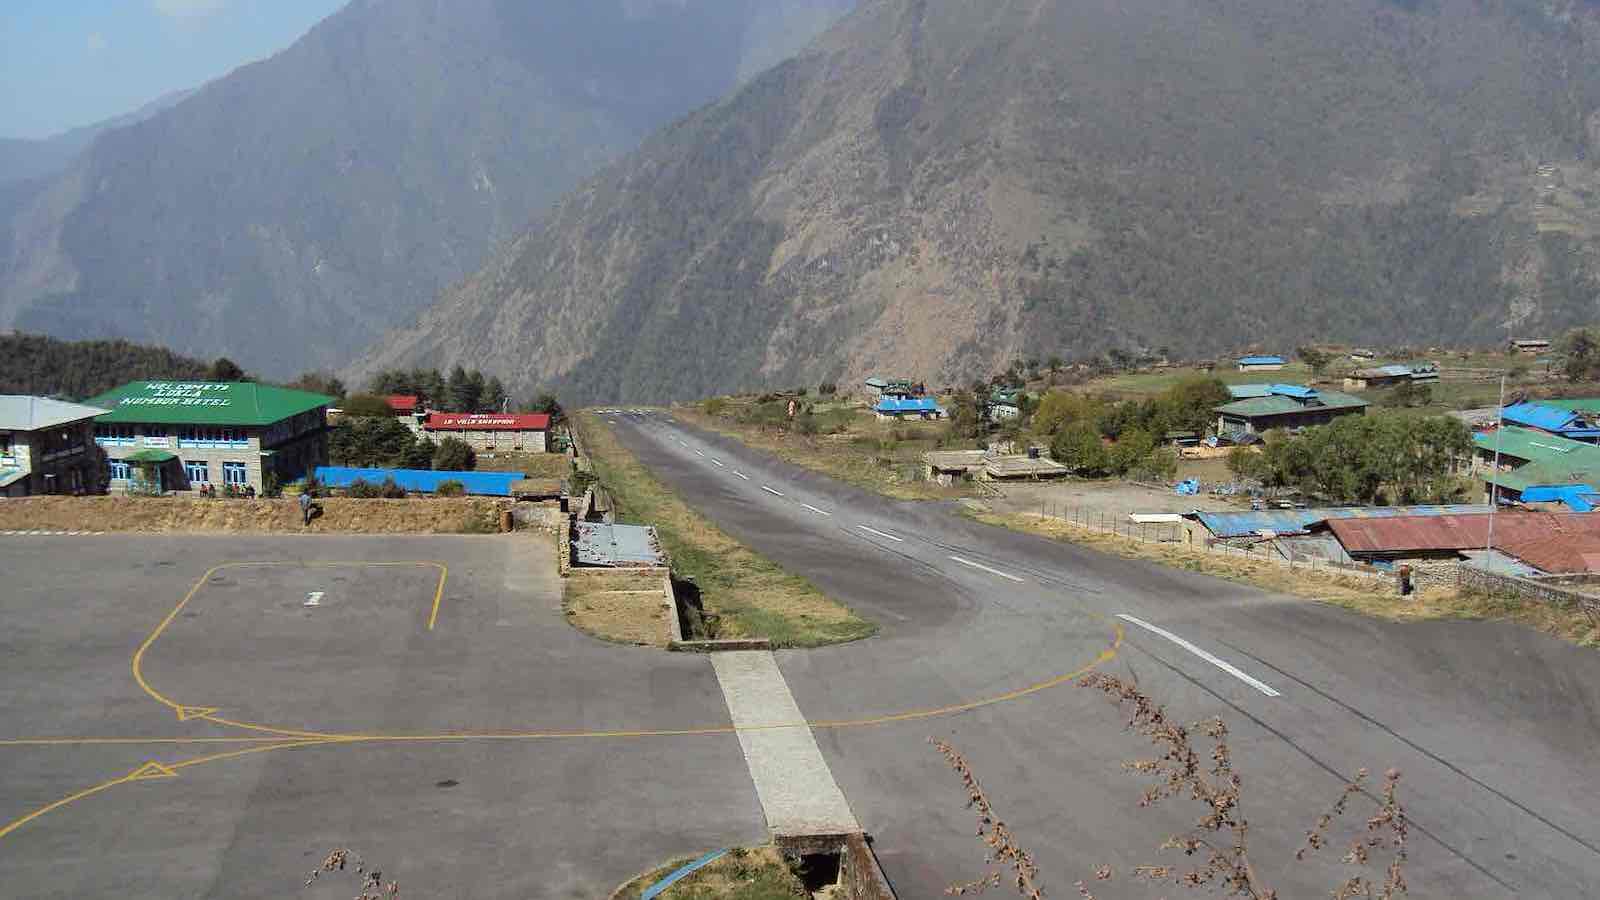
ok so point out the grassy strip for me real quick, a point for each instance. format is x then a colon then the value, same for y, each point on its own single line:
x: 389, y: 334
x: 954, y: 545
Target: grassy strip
x: 865, y: 453
x: 1351, y: 592
x: 622, y: 608
x: 758, y: 874
x: 743, y: 593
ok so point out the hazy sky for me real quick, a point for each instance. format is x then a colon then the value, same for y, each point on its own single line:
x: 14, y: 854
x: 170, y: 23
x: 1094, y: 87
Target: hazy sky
x: 65, y: 63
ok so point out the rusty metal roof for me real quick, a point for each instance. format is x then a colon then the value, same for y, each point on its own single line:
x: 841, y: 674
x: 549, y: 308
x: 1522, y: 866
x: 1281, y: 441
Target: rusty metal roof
x: 1558, y: 554
x: 1403, y: 534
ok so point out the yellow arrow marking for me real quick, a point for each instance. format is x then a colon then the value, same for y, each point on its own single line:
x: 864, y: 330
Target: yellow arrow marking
x: 151, y: 769
x: 185, y: 713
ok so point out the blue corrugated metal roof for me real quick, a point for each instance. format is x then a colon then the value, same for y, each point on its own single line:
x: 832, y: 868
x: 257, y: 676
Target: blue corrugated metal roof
x: 1288, y: 521
x: 1577, y: 497
x: 1292, y: 390
x: 908, y: 404
x: 1246, y: 391
x: 1261, y: 360
x: 1537, y: 415
x: 488, y: 484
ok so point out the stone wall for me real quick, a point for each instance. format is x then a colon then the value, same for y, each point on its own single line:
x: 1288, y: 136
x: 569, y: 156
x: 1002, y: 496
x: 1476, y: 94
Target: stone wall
x: 860, y: 876
x: 1542, y: 590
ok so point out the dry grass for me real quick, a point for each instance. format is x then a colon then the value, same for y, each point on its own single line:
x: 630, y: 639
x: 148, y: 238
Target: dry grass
x: 743, y: 593
x: 758, y: 874
x: 416, y: 515
x: 865, y: 454
x: 534, y: 465
x: 1363, y: 595
x: 626, y: 608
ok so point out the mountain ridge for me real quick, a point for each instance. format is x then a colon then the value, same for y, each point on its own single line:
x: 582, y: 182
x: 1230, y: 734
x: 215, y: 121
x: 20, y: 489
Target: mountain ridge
x: 935, y: 189
x: 289, y: 212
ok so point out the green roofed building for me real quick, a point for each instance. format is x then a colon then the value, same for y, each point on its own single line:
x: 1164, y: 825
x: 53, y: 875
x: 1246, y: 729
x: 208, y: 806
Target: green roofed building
x: 182, y: 436
x: 1285, y: 406
x: 1530, y: 458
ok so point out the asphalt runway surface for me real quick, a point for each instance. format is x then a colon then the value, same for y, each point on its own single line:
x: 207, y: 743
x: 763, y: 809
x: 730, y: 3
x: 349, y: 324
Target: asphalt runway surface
x: 175, y: 721
x: 478, y: 758
x: 1493, y: 726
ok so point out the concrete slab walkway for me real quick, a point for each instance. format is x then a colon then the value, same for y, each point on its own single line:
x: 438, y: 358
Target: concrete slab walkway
x: 798, y: 794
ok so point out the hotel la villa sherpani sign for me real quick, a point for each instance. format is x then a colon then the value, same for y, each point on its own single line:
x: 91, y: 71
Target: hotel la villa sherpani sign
x: 161, y: 393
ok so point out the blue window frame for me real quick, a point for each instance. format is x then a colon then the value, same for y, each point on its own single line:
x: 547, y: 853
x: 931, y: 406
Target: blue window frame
x: 198, y: 471
x: 235, y: 473
x: 120, y: 471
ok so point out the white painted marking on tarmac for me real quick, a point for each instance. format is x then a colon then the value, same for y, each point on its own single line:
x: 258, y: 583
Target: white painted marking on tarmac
x: 699, y: 453
x: 882, y: 534
x: 313, y: 598
x: 820, y: 512
x: 683, y: 443
x: 741, y: 474
x: 1222, y: 664
x: 718, y: 463
x: 968, y: 562
x: 771, y: 491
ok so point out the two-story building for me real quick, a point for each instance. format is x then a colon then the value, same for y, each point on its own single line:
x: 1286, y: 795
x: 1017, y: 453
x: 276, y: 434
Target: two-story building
x: 180, y: 436
x: 1285, y: 406
x: 47, y: 447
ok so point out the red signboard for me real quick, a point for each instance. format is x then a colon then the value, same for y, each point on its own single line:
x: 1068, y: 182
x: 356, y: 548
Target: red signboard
x: 487, y: 422
x: 402, y: 403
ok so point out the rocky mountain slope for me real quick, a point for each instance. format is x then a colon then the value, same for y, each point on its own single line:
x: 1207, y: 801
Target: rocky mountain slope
x: 288, y: 213
x: 938, y: 186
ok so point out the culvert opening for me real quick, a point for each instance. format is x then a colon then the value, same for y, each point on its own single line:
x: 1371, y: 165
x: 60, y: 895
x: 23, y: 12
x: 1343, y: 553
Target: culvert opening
x: 819, y: 873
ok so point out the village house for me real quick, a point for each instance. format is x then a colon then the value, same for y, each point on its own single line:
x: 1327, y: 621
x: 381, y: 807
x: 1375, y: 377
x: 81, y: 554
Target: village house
x: 1568, y: 423
x: 908, y: 408
x: 1260, y: 363
x: 1391, y: 376
x: 1005, y: 403
x: 1531, y: 347
x: 492, y: 431
x: 164, y: 436
x: 47, y: 447
x: 1286, y: 406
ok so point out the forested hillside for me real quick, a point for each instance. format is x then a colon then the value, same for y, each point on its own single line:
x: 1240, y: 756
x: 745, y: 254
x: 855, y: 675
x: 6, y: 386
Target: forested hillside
x: 937, y: 186
x: 288, y: 213
x: 47, y: 367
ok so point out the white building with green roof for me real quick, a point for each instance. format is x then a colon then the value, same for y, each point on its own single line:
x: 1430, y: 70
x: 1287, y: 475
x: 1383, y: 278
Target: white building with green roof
x: 184, y: 435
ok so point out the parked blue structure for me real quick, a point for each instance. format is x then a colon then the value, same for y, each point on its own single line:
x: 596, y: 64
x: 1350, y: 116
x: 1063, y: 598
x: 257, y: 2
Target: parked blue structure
x: 1293, y: 521
x: 423, y: 481
x: 1577, y: 497
x: 1563, y: 422
x: 1298, y: 391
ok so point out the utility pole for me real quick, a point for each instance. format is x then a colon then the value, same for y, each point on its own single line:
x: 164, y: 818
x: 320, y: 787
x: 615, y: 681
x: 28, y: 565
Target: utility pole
x: 1494, y: 489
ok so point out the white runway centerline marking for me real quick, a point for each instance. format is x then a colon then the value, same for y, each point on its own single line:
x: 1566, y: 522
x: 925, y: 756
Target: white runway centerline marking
x: 968, y: 562
x: 771, y: 491
x: 699, y: 453
x: 717, y: 462
x: 1222, y: 664
x: 882, y: 534
x: 820, y: 512
x: 741, y: 474
x: 683, y: 443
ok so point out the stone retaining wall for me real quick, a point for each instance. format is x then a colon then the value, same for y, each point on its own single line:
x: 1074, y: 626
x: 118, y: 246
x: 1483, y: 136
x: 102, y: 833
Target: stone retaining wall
x: 1542, y: 590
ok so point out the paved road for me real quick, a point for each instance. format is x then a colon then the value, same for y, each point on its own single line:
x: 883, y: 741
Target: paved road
x: 1495, y: 727
x: 461, y: 789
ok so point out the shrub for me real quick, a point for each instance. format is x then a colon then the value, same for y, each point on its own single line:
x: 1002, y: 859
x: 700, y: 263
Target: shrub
x: 450, y: 488
x: 454, y: 455
x: 363, y: 489
x: 715, y: 406
x: 391, y: 491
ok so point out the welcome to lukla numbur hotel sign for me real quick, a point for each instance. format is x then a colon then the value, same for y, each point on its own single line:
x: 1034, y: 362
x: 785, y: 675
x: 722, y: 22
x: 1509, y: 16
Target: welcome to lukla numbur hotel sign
x: 159, y: 393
